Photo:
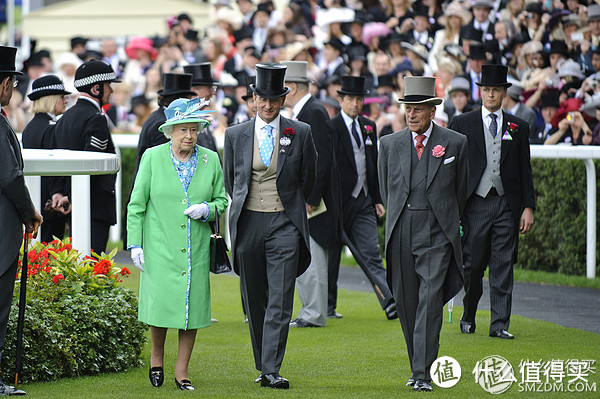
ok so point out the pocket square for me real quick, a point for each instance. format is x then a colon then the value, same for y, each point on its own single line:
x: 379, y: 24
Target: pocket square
x: 448, y: 160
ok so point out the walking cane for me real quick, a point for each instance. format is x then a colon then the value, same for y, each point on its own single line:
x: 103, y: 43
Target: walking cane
x: 22, y: 303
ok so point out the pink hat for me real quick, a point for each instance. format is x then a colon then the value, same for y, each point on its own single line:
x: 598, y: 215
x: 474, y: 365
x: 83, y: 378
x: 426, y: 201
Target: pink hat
x: 372, y: 29
x: 140, y: 43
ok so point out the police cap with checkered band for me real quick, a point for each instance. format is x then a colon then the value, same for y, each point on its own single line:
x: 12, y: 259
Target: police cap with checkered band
x: 93, y: 72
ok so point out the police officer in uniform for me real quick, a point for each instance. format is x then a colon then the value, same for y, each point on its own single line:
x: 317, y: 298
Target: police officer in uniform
x: 84, y: 128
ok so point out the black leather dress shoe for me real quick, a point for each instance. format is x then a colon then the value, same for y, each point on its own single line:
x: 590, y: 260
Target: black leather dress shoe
x: 274, y: 380
x: 157, y: 376
x: 502, y: 334
x: 302, y: 323
x: 259, y: 378
x: 410, y: 382
x: 9, y: 390
x: 184, y: 385
x: 466, y: 327
x: 423, y: 386
x: 334, y: 315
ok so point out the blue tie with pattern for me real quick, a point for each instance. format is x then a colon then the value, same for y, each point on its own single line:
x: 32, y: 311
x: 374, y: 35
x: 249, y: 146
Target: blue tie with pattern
x: 266, y: 147
x: 355, y: 133
x: 494, y: 125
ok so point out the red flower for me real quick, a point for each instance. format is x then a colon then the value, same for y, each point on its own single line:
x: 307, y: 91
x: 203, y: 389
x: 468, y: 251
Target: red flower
x: 102, y: 267
x: 513, y: 126
x: 368, y: 128
x: 57, y: 278
x: 125, y: 272
x: 289, y: 132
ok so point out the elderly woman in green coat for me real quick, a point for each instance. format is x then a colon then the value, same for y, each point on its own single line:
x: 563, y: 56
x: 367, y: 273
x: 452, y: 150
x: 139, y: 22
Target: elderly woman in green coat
x: 178, y: 188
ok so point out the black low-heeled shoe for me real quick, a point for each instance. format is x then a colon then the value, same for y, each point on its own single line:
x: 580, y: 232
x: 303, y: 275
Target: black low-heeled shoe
x: 157, y: 376
x: 184, y: 385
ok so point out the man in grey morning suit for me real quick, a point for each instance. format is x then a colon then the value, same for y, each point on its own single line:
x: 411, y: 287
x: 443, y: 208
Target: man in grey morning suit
x: 500, y: 201
x: 423, y: 175
x: 269, y: 171
x: 16, y: 207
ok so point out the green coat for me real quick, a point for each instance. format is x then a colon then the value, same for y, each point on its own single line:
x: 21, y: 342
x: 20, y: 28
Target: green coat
x: 172, y: 294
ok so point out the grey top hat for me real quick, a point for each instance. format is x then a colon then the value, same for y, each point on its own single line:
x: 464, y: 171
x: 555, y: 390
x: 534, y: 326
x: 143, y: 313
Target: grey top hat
x: 419, y: 90
x: 297, y: 71
x: 514, y: 92
x: 459, y: 83
x: 484, y: 3
x: 593, y: 12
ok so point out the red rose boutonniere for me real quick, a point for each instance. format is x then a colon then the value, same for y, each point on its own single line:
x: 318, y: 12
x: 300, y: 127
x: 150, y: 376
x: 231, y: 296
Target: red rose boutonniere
x: 438, y: 151
x: 286, y: 140
x: 368, y: 130
x: 511, y: 129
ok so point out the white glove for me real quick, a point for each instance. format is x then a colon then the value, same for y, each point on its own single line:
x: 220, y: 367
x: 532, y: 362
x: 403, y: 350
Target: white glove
x: 197, y: 211
x: 137, y: 256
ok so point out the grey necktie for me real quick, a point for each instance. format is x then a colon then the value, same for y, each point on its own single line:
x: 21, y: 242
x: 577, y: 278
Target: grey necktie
x: 494, y: 125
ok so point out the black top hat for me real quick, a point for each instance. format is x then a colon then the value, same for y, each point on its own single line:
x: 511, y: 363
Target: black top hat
x: 48, y: 85
x: 201, y: 73
x: 494, y: 75
x: 177, y: 83
x: 472, y: 34
x: 7, y: 60
x: 421, y: 11
x: 559, y: 47
x: 245, y: 32
x: 140, y: 99
x: 78, y: 40
x: 337, y: 43
x: 477, y: 52
x: 269, y: 81
x: 264, y: 7
x: 250, y: 80
x: 550, y: 99
x: 92, y: 72
x: 353, y: 86
x: 191, y: 35
x: 357, y: 53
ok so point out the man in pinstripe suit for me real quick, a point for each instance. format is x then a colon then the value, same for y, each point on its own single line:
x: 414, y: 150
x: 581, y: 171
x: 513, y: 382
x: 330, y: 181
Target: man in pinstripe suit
x: 500, y: 200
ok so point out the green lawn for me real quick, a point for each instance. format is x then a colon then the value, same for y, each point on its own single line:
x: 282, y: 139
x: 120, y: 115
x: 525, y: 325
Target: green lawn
x: 360, y: 356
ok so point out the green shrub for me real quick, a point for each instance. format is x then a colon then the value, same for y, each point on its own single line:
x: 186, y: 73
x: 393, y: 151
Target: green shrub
x: 557, y: 242
x: 78, y: 319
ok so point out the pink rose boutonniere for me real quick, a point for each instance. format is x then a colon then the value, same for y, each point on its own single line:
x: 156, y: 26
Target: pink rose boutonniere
x: 368, y: 129
x: 286, y: 140
x: 438, y: 151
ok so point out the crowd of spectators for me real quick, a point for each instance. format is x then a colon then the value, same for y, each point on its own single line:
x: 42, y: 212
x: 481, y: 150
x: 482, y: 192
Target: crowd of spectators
x: 552, y: 49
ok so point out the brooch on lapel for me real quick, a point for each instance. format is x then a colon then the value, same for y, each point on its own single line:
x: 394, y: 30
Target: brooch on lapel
x: 438, y: 151
x: 368, y: 129
x: 205, y: 159
x: 512, y: 127
x: 286, y: 140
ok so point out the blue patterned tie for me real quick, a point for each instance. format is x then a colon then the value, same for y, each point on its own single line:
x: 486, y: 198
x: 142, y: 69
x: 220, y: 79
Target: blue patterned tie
x: 266, y: 147
x: 494, y: 125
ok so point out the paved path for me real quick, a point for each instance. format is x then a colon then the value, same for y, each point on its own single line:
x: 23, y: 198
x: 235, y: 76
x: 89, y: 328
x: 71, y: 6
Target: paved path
x: 566, y: 306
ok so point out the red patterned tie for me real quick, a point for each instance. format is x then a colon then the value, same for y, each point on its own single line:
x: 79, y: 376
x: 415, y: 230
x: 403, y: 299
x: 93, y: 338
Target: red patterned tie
x: 419, y: 146
x: 3, y: 113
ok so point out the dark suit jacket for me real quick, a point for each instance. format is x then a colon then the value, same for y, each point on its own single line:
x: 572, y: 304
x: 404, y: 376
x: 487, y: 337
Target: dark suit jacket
x: 515, y: 163
x: 325, y: 228
x: 150, y: 136
x: 344, y: 155
x: 446, y: 189
x: 84, y: 128
x: 295, y: 178
x: 16, y: 207
x: 528, y: 115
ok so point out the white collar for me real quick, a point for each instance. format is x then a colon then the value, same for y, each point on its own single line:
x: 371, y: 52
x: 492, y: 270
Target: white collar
x: 300, y: 104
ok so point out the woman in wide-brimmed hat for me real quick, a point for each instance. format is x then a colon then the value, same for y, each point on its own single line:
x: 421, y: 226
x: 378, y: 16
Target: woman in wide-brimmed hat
x: 455, y: 16
x: 49, y: 101
x: 142, y: 55
x: 178, y: 188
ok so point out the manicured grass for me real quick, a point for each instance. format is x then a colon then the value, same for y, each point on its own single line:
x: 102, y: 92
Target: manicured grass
x: 362, y: 355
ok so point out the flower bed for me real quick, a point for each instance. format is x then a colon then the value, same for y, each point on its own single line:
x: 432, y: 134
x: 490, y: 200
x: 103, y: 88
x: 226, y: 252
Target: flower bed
x: 78, y: 319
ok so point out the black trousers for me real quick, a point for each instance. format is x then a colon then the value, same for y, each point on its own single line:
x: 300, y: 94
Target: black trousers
x: 7, y: 285
x: 99, y: 235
